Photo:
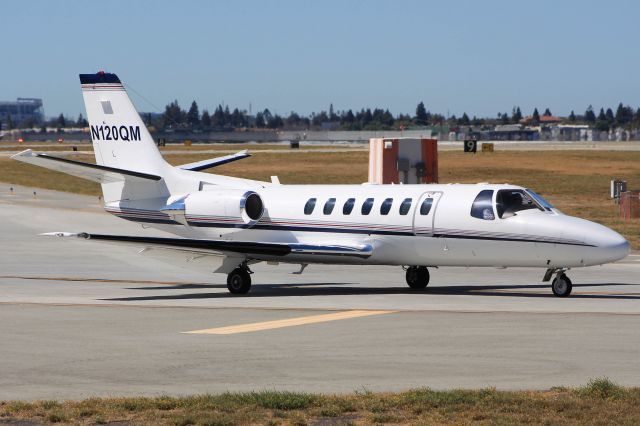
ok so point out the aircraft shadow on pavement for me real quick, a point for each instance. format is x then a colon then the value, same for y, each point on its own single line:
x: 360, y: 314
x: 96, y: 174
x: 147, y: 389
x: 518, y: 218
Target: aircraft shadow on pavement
x: 349, y: 289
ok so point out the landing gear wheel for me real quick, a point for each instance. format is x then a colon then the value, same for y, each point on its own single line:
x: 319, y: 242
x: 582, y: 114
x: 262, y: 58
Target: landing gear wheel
x: 561, y: 285
x: 417, y: 277
x: 239, y: 281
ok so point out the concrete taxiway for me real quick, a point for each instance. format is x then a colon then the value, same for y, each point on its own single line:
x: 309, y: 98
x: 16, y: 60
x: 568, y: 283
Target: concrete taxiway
x: 79, y: 319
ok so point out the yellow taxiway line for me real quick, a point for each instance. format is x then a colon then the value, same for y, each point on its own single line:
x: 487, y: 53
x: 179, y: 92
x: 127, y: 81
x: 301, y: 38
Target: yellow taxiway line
x: 290, y: 322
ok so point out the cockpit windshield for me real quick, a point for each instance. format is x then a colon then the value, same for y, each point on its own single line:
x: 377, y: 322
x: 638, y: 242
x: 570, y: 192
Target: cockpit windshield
x: 544, y: 203
x: 511, y: 201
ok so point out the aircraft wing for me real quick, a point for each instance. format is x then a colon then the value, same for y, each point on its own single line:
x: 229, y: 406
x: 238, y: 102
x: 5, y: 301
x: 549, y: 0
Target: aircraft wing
x: 214, y: 162
x: 93, y: 172
x: 227, y: 248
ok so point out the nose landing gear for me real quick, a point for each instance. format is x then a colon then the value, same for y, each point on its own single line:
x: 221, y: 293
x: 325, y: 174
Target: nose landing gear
x: 561, y: 284
x: 417, y: 277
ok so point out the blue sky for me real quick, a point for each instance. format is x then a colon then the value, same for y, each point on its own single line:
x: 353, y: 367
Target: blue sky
x: 481, y: 57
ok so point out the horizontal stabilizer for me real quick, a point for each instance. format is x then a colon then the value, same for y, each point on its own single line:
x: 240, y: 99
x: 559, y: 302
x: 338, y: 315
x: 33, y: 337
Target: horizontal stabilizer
x: 93, y: 172
x: 214, y: 162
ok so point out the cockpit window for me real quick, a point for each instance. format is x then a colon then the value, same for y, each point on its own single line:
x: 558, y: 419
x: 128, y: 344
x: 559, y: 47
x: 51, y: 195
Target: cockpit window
x: 544, y: 203
x: 511, y: 201
x: 482, y: 207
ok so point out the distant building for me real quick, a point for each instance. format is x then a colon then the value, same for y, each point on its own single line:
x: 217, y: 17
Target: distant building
x: 569, y: 132
x: 544, y: 119
x: 21, y: 110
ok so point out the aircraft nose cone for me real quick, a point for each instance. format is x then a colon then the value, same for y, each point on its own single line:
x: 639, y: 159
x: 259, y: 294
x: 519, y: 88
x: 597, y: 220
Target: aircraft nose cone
x: 610, y: 245
x: 618, y: 248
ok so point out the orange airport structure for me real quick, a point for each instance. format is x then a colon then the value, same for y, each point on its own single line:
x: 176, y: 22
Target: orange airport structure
x: 403, y: 160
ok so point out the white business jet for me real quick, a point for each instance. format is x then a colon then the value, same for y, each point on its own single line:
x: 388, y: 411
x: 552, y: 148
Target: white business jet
x: 231, y: 223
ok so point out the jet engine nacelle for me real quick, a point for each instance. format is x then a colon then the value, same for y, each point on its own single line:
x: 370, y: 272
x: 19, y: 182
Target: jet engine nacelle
x: 231, y: 208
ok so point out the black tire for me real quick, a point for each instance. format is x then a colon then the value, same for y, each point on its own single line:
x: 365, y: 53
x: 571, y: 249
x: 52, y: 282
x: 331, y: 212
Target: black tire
x: 561, y: 286
x: 417, y: 277
x: 239, y: 281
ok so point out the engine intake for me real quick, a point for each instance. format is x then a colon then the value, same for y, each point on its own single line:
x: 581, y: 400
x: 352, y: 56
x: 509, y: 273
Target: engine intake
x: 252, y: 205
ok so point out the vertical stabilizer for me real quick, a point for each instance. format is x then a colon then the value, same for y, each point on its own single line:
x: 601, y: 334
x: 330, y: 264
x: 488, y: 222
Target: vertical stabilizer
x: 120, y: 138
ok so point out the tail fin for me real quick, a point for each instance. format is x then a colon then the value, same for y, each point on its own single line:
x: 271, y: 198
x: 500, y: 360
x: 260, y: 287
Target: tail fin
x: 120, y: 138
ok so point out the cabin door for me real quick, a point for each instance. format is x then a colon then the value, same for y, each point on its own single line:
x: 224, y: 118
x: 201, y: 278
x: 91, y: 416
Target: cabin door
x: 424, y: 213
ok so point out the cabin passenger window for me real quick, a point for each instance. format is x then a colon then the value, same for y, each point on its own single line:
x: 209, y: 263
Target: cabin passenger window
x: 482, y: 207
x: 366, y: 206
x: 386, y: 206
x: 311, y: 204
x: 348, y: 206
x: 328, y: 206
x: 405, y: 206
x: 425, y: 207
x: 511, y: 201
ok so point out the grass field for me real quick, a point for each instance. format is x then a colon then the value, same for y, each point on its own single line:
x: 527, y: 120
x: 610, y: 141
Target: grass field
x: 600, y: 402
x: 15, y: 147
x: 577, y: 182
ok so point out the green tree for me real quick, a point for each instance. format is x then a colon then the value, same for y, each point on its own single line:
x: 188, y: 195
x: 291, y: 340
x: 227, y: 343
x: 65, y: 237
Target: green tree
x: 421, y: 115
x: 193, y: 116
x: 516, y: 115
x: 601, y: 121
x: 260, y: 120
x: 547, y: 113
x: 332, y: 114
x: 624, y: 115
x: 274, y: 121
x: 535, y: 118
x: 81, y: 122
x: 217, y: 120
x: 572, y: 116
x: 62, y: 123
x: 609, y: 116
x: 173, y: 115
x: 206, y: 119
x: 589, y: 115
x: 237, y: 118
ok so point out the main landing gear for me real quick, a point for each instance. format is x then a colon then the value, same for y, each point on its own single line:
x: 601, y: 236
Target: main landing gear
x: 561, y: 284
x: 417, y: 277
x: 239, y: 280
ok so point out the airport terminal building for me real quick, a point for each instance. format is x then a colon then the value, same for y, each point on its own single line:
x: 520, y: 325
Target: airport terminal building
x: 21, y: 110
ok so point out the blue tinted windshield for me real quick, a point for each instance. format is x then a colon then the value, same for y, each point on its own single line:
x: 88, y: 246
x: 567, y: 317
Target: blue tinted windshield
x: 544, y: 203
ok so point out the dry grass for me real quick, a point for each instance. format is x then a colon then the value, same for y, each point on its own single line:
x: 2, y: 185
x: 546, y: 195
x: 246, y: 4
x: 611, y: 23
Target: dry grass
x: 577, y: 182
x: 600, y: 402
x: 41, y: 146
x: 49, y: 146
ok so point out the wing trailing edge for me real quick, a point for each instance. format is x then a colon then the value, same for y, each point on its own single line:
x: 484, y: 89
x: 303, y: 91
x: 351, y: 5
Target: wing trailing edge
x: 254, y: 249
